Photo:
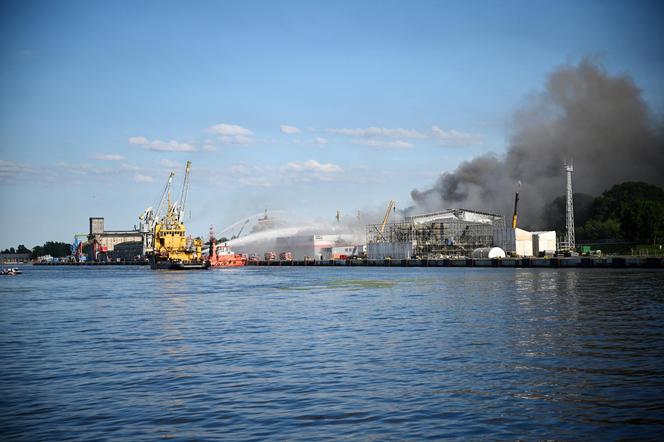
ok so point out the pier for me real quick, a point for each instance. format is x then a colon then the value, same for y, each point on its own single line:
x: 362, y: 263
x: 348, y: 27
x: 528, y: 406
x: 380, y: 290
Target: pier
x: 586, y: 262
x: 571, y: 262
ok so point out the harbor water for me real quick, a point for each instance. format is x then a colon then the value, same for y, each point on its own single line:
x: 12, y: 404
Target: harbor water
x: 303, y: 353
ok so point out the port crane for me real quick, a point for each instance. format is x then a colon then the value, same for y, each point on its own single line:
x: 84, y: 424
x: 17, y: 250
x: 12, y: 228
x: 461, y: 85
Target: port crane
x: 237, y: 235
x: 182, y: 202
x: 149, y: 217
x: 391, y: 207
x: 77, y: 246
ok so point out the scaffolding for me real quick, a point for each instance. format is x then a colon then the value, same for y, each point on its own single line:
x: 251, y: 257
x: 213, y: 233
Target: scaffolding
x: 454, y: 232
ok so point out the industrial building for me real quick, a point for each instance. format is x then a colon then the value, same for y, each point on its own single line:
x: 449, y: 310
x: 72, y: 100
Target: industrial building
x: 312, y: 246
x: 114, y: 244
x: 524, y: 243
x: 453, y: 232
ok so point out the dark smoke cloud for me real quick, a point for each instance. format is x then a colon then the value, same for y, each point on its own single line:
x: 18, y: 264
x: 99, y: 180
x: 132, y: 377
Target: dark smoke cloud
x: 598, y: 120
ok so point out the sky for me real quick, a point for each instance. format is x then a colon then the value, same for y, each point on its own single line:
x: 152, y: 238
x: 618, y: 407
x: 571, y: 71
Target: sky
x: 306, y: 107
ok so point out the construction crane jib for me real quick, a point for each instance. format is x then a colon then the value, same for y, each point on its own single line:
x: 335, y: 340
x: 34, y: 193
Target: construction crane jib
x: 165, y: 198
x: 390, y: 207
x: 182, y: 202
x: 149, y: 217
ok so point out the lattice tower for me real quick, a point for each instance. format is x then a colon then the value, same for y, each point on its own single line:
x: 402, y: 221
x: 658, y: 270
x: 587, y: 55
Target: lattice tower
x: 569, y: 219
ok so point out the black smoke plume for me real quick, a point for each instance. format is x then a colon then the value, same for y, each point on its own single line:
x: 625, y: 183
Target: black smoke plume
x: 599, y: 121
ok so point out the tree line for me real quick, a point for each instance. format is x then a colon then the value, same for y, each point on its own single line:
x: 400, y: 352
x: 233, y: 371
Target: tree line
x: 631, y: 211
x: 53, y: 248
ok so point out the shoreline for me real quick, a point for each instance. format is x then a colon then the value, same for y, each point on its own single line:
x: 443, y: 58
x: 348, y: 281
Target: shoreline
x: 570, y: 262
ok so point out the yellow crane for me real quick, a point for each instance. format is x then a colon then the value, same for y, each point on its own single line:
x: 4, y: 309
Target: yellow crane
x: 172, y: 248
x: 390, y: 208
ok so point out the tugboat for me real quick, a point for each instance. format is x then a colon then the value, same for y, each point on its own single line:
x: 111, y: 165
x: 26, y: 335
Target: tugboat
x: 221, y: 255
x: 171, y: 248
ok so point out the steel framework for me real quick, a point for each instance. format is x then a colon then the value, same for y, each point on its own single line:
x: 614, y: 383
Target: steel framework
x: 569, y: 243
x: 455, y: 232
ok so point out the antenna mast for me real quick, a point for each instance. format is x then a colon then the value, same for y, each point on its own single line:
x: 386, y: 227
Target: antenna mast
x: 570, y: 241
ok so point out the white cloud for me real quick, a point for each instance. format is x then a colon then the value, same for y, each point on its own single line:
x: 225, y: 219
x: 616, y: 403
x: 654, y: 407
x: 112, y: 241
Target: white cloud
x: 161, y: 146
x: 231, y: 134
x: 241, y: 169
x: 108, y: 157
x: 138, y: 140
x: 236, y: 139
x: 320, y: 141
x: 379, y: 132
x: 169, y: 163
x: 11, y: 171
x: 140, y: 178
x: 209, y: 146
x: 454, y: 137
x: 126, y: 167
x: 256, y: 181
x: 231, y: 130
x: 285, y: 129
x: 313, y: 166
x: 398, y: 144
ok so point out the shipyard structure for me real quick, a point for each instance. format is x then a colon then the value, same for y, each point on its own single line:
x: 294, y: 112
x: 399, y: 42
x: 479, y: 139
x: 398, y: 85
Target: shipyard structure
x: 455, y: 233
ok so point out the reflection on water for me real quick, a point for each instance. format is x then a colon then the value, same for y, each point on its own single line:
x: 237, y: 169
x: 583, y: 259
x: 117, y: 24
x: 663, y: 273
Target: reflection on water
x: 314, y: 353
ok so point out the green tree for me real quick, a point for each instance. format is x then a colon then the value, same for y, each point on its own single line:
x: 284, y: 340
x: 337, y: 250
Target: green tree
x: 55, y: 249
x: 616, y: 201
x: 632, y: 211
x: 37, y: 251
x: 643, y: 221
x: 22, y: 249
x: 595, y: 229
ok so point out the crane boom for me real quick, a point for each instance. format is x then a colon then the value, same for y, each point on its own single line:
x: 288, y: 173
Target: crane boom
x: 516, y: 204
x: 390, y: 206
x: 183, y: 193
x: 164, y: 196
x: 237, y: 235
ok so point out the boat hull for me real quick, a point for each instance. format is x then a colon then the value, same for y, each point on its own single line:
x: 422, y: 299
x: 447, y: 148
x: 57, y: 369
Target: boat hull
x: 230, y: 261
x: 156, y: 264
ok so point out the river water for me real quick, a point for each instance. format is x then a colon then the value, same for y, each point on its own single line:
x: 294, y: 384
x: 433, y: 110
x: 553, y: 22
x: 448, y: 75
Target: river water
x: 292, y: 353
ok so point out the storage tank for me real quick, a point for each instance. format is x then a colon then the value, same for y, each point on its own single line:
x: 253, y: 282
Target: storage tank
x: 489, y: 252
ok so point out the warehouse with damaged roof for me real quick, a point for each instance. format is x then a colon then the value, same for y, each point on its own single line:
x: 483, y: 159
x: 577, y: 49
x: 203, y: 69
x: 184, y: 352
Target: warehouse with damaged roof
x: 454, y: 233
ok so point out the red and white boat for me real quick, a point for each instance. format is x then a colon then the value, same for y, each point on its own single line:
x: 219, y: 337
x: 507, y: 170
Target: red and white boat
x: 221, y: 255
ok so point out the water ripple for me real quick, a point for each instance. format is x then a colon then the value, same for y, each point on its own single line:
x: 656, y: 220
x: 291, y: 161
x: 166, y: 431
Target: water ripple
x: 327, y: 354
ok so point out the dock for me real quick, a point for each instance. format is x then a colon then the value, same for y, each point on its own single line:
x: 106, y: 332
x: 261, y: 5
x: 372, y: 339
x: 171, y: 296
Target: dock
x: 92, y: 263
x: 571, y: 262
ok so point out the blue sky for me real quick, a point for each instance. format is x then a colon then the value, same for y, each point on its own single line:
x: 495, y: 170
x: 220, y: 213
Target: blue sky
x: 309, y: 107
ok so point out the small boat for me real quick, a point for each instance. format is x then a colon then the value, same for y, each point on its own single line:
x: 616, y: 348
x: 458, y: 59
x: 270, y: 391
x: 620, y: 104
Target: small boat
x: 11, y: 271
x: 222, y: 256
